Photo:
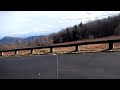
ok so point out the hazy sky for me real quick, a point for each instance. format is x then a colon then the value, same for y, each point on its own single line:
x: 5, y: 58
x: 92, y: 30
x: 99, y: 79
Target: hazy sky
x: 29, y: 23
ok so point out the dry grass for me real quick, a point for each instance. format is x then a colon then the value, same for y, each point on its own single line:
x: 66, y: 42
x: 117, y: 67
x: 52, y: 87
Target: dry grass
x: 41, y: 51
x: 23, y: 52
x: 93, y: 48
x: 90, y: 40
x: 9, y: 53
x: 83, y: 48
x: 64, y: 49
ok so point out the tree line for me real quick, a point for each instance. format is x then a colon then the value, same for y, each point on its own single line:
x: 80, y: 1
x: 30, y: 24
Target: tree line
x: 93, y: 29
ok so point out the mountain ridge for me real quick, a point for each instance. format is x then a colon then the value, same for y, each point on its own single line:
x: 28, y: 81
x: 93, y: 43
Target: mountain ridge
x: 9, y: 39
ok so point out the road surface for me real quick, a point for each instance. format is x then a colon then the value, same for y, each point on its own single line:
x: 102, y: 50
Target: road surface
x: 105, y: 65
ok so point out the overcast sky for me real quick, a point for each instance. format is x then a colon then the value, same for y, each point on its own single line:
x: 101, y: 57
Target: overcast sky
x: 31, y: 23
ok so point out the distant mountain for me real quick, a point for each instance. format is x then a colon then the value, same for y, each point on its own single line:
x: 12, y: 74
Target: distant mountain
x: 8, y: 39
x: 32, y: 38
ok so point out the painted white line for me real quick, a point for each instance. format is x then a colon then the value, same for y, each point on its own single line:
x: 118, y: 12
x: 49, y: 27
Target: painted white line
x: 39, y: 74
x: 56, y: 59
x: 57, y: 63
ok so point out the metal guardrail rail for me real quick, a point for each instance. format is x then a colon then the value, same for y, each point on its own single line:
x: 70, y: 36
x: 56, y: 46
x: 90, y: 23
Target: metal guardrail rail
x: 110, y: 42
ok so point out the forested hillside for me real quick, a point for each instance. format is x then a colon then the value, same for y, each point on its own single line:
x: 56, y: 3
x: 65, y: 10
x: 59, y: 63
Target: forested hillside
x: 93, y: 29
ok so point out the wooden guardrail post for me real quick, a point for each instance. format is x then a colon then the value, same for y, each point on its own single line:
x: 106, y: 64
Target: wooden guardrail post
x: 0, y: 53
x: 32, y: 51
x: 110, y: 45
x: 51, y: 50
x: 76, y: 48
x: 16, y: 52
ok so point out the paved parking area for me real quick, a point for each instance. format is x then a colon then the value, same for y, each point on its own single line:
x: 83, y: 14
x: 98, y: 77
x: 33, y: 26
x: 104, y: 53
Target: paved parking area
x: 103, y: 65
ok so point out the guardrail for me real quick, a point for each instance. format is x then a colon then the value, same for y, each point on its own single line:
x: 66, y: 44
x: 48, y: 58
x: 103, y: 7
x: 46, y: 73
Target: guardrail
x: 110, y: 42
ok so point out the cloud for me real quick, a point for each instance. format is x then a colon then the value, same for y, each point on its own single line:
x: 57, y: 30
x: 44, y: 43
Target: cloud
x: 50, y: 26
x: 36, y: 29
x: 90, y: 15
x: 17, y: 33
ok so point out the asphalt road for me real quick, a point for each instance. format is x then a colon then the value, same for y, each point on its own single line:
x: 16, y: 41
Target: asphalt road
x: 105, y: 65
x: 28, y: 67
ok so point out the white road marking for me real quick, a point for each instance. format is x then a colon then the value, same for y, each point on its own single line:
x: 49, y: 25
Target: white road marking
x: 39, y: 74
x: 57, y: 63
